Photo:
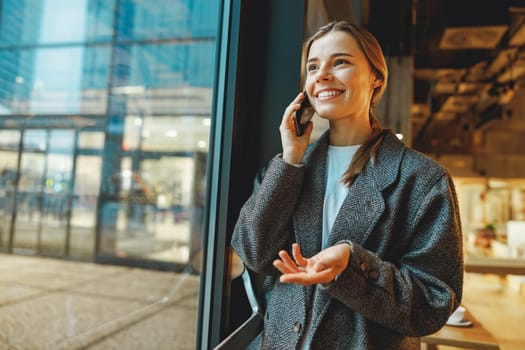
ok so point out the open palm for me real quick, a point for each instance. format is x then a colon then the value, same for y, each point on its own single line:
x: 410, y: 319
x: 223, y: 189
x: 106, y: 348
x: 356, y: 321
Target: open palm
x: 320, y: 268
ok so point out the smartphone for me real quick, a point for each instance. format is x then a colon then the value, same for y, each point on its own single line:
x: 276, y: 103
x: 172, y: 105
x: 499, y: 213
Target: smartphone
x: 303, y: 115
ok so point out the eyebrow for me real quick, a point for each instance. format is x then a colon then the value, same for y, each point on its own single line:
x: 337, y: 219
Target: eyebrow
x: 332, y: 55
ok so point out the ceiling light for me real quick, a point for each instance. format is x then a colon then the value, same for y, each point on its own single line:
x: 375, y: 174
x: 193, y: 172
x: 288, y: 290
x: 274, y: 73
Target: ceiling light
x: 518, y: 38
x: 171, y: 133
x: 478, y: 37
x: 514, y: 71
x: 506, y: 96
x: 128, y: 90
x: 511, y: 74
x: 471, y: 88
x: 444, y: 115
x: 458, y: 103
x: 201, y: 144
x: 450, y: 74
x: 502, y: 60
x: 445, y: 87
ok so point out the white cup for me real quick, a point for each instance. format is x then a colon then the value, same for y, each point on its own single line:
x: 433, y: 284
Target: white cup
x: 458, y: 315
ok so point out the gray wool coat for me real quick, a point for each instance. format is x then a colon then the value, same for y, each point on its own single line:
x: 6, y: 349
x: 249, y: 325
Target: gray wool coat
x: 405, y: 273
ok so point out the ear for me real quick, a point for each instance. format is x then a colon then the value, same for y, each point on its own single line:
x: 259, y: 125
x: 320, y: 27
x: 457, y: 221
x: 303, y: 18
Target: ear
x: 377, y: 82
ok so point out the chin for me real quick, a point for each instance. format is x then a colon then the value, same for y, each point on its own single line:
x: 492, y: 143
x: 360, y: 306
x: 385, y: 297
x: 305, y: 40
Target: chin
x: 329, y: 114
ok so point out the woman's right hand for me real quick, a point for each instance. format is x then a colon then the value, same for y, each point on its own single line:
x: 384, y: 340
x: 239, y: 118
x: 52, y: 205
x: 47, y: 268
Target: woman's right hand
x: 294, y: 146
x: 321, y: 268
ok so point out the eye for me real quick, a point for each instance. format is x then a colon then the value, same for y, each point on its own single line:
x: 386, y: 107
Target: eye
x: 311, y: 67
x: 340, y: 61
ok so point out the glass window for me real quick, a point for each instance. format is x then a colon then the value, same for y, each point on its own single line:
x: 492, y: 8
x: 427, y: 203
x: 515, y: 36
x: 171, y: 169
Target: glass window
x: 140, y: 68
x: 163, y: 19
x: 32, y: 22
x: 62, y: 80
x: 105, y: 113
x: 169, y: 134
x: 91, y: 140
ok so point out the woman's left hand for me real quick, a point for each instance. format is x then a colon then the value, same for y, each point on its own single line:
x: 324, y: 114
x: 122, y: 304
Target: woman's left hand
x: 320, y: 268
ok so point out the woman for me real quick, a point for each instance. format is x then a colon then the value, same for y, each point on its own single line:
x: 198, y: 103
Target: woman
x: 378, y: 221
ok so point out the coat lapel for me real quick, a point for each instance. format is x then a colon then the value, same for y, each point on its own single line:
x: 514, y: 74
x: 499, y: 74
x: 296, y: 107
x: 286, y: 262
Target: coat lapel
x: 359, y: 213
x: 362, y: 207
x: 364, y: 204
x: 308, y: 218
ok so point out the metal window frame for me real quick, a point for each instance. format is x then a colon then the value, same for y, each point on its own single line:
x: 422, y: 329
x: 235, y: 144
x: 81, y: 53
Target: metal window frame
x: 259, y: 47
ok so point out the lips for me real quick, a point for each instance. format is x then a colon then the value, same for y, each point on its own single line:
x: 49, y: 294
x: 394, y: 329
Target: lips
x: 328, y: 93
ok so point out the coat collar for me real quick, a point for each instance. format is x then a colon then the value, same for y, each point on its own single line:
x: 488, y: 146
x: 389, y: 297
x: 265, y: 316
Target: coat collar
x: 382, y: 171
x: 364, y: 203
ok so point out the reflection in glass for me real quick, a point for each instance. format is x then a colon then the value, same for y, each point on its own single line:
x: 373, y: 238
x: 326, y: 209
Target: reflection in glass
x: 9, y: 141
x: 162, y: 19
x: 91, y: 140
x: 176, y: 134
x: 149, y: 69
x: 33, y: 22
x: 83, y: 217
x: 155, y: 221
x: 29, y: 197
x: 57, y: 192
x: 112, y: 102
x: 54, y: 80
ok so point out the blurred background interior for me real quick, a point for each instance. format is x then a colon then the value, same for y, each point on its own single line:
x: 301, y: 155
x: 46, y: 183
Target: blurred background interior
x: 130, y: 132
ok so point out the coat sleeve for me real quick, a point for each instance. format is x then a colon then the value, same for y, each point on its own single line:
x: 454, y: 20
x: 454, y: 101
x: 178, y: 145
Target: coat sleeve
x: 264, y: 223
x: 415, y: 294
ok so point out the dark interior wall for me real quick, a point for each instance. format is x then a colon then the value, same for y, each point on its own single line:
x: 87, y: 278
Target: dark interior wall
x: 268, y: 78
x: 391, y: 23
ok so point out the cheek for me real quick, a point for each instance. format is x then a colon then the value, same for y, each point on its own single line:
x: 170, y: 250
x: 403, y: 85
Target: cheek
x: 308, y: 85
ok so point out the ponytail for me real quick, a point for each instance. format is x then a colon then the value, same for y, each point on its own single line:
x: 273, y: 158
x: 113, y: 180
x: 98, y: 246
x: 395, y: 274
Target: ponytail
x: 366, y: 152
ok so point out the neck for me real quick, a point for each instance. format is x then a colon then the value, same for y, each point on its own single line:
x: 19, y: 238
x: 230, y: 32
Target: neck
x: 345, y: 135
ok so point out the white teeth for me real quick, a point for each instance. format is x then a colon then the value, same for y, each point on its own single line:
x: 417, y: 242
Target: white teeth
x: 328, y: 93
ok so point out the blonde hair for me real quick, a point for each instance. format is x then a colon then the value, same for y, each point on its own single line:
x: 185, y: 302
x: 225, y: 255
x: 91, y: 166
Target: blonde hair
x: 374, y: 55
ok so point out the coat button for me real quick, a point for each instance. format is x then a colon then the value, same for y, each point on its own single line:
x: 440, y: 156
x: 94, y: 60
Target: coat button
x: 297, y: 327
x: 373, y: 275
x: 363, y: 267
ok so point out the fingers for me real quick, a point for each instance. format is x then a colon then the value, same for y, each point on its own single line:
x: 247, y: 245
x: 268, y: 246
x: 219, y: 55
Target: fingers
x: 285, y: 265
x: 288, y: 116
x: 283, y: 268
x: 309, y: 278
x: 299, y: 258
x: 285, y: 257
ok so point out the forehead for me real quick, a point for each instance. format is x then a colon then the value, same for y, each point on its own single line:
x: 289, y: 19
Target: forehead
x: 334, y: 42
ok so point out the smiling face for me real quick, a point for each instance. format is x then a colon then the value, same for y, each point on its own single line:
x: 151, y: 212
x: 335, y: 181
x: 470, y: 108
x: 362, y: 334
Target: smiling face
x: 339, y: 80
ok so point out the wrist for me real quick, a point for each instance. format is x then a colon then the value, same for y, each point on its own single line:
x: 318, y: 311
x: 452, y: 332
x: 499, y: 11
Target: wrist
x: 292, y: 159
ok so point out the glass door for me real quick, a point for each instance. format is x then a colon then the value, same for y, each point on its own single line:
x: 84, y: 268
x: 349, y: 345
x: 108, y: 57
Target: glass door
x: 43, y: 197
x: 28, y: 204
x: 9, y: 146
x: 84, y: 206
x: 155, y: 219
x: 57, y: 192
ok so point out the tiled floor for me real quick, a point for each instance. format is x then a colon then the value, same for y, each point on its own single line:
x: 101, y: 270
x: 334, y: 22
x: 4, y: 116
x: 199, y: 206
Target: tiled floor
x: 55, y: 304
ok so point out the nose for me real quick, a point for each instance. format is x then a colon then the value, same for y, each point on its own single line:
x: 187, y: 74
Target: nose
x: 324, y: 73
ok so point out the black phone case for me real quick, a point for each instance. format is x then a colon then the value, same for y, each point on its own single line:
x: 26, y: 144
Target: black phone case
x: 301, y: 125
